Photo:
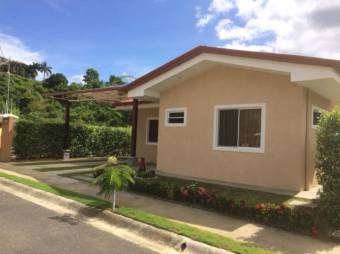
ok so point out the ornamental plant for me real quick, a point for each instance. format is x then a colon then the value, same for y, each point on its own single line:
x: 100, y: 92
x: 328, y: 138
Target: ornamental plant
x: 114, y: 177
x: 328, y: 165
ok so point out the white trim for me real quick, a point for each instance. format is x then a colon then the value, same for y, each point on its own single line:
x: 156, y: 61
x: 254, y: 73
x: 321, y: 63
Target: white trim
x: 140, y: 106
x: 301, y: 74
x: 174, y: 110
x: 261, y: 149
x: 147, y: 130
x: 315, y: 108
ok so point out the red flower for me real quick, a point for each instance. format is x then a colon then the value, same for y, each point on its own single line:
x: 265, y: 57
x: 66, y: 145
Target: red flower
x: 314, y: 231
x: 260, y: 206
x: 185, y: 193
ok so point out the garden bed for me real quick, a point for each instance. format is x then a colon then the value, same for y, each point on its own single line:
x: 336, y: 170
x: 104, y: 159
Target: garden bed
x: 262, y: 207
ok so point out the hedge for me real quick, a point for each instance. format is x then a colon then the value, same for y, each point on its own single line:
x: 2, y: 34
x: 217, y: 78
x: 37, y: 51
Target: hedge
x: 301, y: 219
x: 328, y: 165
x: 33, y: 140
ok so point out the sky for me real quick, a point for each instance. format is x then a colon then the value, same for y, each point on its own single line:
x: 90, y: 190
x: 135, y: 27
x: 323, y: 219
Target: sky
x: 132, y: 37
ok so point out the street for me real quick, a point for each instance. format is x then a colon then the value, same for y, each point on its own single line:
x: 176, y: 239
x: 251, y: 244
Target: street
x: 28, y: 228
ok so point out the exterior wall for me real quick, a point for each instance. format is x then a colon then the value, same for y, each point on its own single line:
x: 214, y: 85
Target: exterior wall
x: 149, y: 152
x: 188, y: 151
x: 318, y: 101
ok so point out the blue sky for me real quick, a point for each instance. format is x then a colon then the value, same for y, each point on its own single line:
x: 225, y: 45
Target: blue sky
x: 115, y: 37
x: 135, y: 36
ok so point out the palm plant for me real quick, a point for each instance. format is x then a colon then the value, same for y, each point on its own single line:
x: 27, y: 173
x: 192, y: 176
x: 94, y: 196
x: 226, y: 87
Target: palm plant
x: 45, y: 69
x: 113, y: 177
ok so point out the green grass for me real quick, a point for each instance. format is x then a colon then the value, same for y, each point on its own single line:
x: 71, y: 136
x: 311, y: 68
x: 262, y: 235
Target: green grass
x: 251, y: 197
x: 66, y: 167
x: 154, y: 220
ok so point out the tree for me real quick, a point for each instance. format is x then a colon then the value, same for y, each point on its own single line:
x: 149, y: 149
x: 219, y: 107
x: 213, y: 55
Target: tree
x: 74, y: 86
x: 91, y: 79
x: 328, y: 165
x: 113, y: 177
x: 45, y: 69
x: 32, y: 70
x: 56, y: 82
x: 115, y: 80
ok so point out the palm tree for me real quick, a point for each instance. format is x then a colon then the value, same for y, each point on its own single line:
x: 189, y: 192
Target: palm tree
x: 45, y: 69
x: 32, y: 70
x: 113, y: 177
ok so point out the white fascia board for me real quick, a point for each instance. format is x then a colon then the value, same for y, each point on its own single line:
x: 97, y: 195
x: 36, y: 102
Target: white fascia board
x: 297, y: 72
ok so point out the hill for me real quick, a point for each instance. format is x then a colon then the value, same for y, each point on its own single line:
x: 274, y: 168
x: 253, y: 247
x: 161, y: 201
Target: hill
x: 28, y: 103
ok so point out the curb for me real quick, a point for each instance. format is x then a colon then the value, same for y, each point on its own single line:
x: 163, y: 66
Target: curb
x: 169, y: 239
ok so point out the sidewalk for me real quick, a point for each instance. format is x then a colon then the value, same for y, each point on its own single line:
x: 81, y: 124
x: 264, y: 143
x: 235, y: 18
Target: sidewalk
x: 267, y: 237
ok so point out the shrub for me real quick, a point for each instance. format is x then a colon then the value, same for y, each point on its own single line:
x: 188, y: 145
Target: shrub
x: 299, y: 219
x: 34, y: 140
x: 328, y: 165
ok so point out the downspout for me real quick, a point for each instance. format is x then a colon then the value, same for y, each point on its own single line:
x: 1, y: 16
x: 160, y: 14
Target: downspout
x: 307, y: 139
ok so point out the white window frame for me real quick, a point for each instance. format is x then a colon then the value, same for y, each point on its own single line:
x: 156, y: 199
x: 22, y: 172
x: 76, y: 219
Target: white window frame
x: 175, y: 110
x: 260, y: 149
x: 315, y: 108
x: 147, y: 130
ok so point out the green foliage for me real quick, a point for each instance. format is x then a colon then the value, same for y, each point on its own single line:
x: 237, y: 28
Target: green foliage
x: 115, y: 80
x: 29, y: 104
x: 56, y: 82
x: 328, y: 164
x: 36, y: 139
x: 115, y: 177
x: 91, y: 79
x: 266, y: 212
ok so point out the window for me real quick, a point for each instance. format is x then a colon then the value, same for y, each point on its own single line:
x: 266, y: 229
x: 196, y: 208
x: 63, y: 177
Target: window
x: 152, y: 131
x: 316, y: 114
x: 239, y: 128
x: 175, y: 117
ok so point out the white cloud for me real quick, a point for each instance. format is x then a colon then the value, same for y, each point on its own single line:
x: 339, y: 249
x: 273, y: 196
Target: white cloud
x: 76, y: 78
x: 220, y: 6
x: 252, y: 47
x: 15, y: 49
x: 308, y: 27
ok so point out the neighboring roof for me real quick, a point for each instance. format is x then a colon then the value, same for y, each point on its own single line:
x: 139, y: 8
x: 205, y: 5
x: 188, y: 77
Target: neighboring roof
x: 232, y: 52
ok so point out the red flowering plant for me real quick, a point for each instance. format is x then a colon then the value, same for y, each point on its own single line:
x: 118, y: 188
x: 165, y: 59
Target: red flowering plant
x: 197, y: 194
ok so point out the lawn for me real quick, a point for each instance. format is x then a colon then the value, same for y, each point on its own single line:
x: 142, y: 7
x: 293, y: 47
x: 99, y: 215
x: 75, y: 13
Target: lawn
x: 151, y: 219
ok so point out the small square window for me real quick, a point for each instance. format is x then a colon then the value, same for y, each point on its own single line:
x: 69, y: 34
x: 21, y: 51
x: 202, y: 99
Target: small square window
x: 175, y: 117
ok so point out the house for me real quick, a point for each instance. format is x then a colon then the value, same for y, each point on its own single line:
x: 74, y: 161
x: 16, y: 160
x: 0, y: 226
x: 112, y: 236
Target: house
x: 233, y: 117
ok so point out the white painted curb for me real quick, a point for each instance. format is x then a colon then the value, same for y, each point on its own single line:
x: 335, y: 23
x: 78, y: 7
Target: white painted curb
x: 163, y: 237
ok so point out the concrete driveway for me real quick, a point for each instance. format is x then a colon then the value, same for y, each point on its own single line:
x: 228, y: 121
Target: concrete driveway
x: 28, y: 228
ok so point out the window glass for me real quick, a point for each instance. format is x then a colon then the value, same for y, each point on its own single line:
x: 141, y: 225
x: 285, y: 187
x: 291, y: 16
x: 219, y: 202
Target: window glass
x: 153, y: 131
x: 176, y: 117
x: 250, y: 128
x: 316, y: 117
x: 228, y: 128
x: 239, y: 128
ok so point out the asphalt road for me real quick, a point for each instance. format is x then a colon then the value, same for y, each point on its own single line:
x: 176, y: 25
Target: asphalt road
x: 27, y: 228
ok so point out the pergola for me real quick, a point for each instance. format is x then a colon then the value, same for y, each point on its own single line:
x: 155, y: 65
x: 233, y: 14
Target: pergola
x: 114, y: 95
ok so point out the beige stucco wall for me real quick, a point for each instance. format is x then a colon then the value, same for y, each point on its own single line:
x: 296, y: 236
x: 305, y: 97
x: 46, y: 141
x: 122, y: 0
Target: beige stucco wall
x: 149, y: 152
x: 318, y: 101
x: 188, y: 151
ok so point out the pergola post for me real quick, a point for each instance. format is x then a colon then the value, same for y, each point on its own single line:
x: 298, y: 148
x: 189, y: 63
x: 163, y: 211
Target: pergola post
x: 134, y: 128
x: 66, y: 147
